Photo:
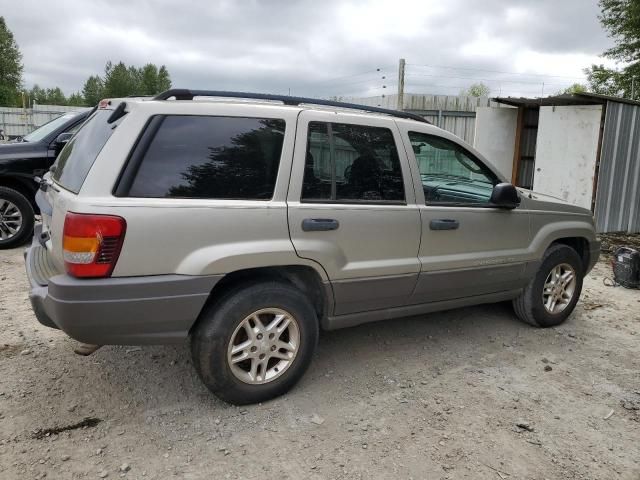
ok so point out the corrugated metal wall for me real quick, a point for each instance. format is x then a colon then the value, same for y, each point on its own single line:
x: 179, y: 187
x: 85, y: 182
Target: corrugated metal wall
x: 456, y: 114
x: 618, y: 192
x: 21, y: 121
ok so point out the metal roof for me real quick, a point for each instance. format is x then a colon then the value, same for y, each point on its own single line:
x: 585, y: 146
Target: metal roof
x: 564, y: 99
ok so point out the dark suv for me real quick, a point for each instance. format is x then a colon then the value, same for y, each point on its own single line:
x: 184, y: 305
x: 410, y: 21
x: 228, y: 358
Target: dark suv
x: 20, y: 163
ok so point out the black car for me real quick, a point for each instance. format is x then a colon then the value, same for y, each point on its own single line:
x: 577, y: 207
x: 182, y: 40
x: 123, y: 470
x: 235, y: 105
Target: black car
x: 20, y: 163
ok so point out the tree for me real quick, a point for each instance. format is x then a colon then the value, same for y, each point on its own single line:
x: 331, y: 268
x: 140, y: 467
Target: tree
x: 92, y: 90
x: 149, y: 79
x: 477, y: 90
x: 76, y: 100
x: 621, y: 20
x: 118, y: 80
x: 164, y: 80
x: 604, y: 80
x: 575, y: 88
x: 37, y: 95
x: 10, y: 67
x: 55, y: 97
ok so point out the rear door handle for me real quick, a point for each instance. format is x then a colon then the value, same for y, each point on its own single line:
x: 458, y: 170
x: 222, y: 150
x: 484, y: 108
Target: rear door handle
x: 319, y: 224
x: 444, y: 224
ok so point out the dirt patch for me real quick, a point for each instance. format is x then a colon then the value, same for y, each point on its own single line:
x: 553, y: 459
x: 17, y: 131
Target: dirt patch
x: 469, y: 393
x: 11, y: 350
x: 612, y: 241
x: 85, y: 423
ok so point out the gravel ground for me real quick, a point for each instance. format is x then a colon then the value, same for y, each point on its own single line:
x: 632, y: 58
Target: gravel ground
x: 470, y: 393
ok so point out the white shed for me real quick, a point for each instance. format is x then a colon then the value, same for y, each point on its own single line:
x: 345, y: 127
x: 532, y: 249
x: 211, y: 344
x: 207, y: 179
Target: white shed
x: 583, y: 148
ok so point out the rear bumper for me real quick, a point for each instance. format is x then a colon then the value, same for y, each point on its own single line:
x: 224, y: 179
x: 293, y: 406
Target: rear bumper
x: 117, y: 311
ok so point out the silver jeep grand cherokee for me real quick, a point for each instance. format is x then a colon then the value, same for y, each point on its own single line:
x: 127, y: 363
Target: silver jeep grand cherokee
x: 248, y: 223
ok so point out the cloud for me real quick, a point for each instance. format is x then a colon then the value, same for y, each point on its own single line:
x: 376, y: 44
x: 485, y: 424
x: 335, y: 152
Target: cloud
x: 280, y: 46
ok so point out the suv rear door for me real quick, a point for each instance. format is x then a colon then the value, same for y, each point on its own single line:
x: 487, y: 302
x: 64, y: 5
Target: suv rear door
x: 71, y: 168
x: 351, y: 208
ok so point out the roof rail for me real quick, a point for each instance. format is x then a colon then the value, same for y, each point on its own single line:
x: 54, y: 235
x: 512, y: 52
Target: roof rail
x: 185, y: 94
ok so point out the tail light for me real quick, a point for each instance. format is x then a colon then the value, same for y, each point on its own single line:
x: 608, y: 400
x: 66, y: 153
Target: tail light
x: 91, y: 244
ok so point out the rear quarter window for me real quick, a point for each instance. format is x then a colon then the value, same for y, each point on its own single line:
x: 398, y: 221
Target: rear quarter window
x: 77, y: 157
x: 194, y: 156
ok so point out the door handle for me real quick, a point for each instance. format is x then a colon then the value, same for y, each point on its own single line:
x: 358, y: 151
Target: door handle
x: 444, y: 224
x: 319, y: 224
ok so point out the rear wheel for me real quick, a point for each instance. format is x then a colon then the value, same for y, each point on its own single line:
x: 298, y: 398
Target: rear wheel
x: 255, y: 343
x: 554, y: 292
x: 16, y: 218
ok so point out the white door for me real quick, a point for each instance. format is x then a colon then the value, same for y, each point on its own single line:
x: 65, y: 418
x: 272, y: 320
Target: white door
x: 566, y: 152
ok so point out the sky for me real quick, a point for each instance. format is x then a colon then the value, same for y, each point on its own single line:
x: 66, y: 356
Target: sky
x: 321, y: 48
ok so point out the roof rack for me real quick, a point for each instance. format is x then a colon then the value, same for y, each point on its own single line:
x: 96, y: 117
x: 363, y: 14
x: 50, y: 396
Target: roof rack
x: 185, y: 94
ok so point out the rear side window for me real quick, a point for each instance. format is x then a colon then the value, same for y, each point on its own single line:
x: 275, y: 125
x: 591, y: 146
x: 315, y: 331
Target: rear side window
x: 77, y: 157
x: 211, y: 157
x: 351, y: 163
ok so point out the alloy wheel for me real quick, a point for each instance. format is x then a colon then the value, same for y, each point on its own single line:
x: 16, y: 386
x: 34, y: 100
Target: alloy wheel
x: 263, y: 346
x: 559, y: 288
x: 10, y: 220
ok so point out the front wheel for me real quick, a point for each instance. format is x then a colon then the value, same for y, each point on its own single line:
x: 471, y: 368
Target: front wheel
x: 255, y: 343
x: 16, y: 218
x: 554, y: 292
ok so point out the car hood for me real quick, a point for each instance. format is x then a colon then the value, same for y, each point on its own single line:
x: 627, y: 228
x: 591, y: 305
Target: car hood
x: 11, y: 151
x: 539, y: 201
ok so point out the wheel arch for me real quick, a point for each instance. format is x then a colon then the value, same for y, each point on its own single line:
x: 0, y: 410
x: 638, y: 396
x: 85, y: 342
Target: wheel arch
x: 25, y: 186
x: 303, y: 277
x: 579, y: 244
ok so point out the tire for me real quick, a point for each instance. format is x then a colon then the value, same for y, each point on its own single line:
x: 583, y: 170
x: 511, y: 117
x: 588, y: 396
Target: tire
x: 12, y: 204
x: 530, y: 305
x: 229, y: 321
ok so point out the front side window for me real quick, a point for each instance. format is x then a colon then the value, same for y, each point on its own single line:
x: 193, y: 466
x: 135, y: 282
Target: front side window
x: 351, y: 163
x: 449, y: 174
x: 210, y: 157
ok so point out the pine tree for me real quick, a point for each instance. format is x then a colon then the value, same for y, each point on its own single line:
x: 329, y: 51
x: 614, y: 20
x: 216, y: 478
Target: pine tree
x: 76, y: 100
x: 149, y: 79
x: 10, y: 67
x: 164, y: 80
x: 118, y: 80
x: 92, y: 91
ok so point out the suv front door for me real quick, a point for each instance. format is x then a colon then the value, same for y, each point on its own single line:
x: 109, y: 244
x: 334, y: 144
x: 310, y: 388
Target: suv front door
x: 469, y: 248
x: 351, y: 208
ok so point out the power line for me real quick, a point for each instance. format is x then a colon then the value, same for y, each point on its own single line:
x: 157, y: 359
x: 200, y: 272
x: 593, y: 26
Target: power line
x: 384, y: 70
x: 494, y: 71
x: 341, y: 84
x: 498, y: 80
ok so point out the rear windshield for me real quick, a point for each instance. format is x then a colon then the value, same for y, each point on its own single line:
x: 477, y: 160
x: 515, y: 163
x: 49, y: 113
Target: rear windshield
x: 77, y: 157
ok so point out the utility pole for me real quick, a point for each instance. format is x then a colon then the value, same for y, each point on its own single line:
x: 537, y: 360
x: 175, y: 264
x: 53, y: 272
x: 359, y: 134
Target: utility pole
x: 401, y: 84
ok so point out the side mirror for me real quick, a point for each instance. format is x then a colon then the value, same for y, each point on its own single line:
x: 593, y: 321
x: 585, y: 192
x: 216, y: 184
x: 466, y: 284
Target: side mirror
x: 60, y: 141
x: 63, y: 138
x: 505, y: 195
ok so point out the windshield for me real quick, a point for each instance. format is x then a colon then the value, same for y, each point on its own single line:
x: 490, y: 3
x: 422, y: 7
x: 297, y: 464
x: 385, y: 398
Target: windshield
x: 77, y: 157
x: 40, y: 133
